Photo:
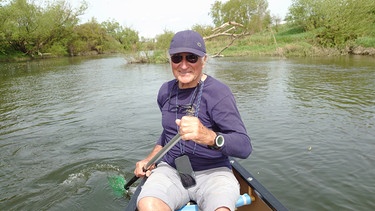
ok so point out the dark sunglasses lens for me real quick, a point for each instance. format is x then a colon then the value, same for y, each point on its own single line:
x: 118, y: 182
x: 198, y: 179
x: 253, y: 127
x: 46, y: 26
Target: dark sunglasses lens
x: 176, y: 58
x: 192, y: 58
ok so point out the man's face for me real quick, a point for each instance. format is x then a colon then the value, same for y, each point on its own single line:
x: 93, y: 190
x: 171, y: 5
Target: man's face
x: 187, y: 69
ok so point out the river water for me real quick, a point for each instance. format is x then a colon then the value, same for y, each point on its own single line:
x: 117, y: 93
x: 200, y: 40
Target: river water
x: 67, y: 124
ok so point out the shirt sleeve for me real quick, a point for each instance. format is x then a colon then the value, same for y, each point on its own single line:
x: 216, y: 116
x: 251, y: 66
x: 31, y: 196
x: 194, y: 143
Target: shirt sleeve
x: 228, y: 122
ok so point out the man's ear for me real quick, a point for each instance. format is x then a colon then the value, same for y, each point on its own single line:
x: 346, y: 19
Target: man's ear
x: 204, y: 59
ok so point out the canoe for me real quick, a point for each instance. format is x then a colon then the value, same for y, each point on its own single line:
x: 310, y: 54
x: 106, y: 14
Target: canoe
x: 261, y: 198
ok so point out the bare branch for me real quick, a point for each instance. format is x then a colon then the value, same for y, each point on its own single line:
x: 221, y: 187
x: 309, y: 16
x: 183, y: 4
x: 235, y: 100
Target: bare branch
x: 226, y: 30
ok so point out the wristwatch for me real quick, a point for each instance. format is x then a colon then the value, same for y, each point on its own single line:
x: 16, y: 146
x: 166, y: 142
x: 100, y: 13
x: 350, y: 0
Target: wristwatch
x: 219, y: 141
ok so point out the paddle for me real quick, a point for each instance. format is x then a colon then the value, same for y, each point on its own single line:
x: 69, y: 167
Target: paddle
x: 156, y: 158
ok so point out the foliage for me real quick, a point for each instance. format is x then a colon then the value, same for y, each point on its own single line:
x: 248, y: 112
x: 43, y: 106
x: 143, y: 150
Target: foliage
x: 305, y: 13
x: 52, y: 28
x: 92, y: 34
x: 313, y: 27
x: 163, y: 40
x: 57, y: 49
x: 31, y: 29
x: 204, y: 30
x: 366, y: 42
x: 336, y: 22
x: 252, y: 14
x: 127, y: 37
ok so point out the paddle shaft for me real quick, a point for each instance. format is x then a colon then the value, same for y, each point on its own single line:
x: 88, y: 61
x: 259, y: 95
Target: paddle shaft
x: 156, y: 158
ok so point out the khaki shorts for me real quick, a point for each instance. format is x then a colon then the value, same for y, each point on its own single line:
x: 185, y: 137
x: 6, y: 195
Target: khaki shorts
x: 215, y: 188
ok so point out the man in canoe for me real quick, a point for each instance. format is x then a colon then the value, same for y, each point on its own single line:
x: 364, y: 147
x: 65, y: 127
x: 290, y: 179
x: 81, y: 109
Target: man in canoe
x: 203, y: 111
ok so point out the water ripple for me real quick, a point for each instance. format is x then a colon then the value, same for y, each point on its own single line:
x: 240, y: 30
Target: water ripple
x: 66, y: 124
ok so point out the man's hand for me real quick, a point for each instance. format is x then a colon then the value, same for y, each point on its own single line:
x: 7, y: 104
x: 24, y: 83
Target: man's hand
x: 139, y: 169
x: 191, y: 128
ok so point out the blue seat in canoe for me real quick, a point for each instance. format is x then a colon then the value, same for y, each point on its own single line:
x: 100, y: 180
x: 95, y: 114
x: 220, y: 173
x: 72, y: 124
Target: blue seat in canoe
x: 243, y: 200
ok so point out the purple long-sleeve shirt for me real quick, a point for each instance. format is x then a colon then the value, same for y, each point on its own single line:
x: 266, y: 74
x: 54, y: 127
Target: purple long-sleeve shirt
x: 217, y: 111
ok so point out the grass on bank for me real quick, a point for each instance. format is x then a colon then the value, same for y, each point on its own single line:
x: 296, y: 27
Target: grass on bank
x: 13, y: 56
x: 367, y: 42
x: 288, y: 42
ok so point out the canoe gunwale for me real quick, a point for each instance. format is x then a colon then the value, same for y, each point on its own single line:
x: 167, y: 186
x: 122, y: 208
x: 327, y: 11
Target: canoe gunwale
x: 260, y: 191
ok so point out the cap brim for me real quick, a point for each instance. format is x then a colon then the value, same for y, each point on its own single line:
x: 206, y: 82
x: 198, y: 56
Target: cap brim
x: 186, y: 50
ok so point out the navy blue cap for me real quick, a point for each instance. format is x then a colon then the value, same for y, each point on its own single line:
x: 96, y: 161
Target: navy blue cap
x: 187, y: 41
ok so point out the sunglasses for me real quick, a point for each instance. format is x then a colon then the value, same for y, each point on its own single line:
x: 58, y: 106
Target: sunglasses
x: 191, y: 58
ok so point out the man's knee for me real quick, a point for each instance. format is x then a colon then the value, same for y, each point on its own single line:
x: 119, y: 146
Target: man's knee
x: 152, y: 203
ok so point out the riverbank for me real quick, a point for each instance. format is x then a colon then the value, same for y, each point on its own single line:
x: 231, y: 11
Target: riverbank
x: 286, y: 42
x: 299, y: 49
x: 19, y: 57
x: 289, y: 50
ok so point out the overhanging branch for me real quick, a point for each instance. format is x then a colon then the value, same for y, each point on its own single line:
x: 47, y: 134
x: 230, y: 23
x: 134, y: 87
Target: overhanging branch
x: 227, y: 29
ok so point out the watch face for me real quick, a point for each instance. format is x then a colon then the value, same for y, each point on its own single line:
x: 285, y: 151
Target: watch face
x: 219, y: 140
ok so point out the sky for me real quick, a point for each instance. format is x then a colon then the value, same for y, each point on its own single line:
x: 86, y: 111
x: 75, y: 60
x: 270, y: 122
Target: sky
x: 152, y: 17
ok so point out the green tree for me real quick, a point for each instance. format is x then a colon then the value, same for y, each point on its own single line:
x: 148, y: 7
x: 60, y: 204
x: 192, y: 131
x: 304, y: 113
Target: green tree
x: 204, y: 30
x: 20, y: 25
x: 336, y: 22
x: 163, y: 40
x: 128, y: 37
x: 113, y: 29
x: 253, y: 14
x: 351, y: 19
x: 89, y: 36
x: 32, y: 29
x: 4, y: 45
x: 307, y: 14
